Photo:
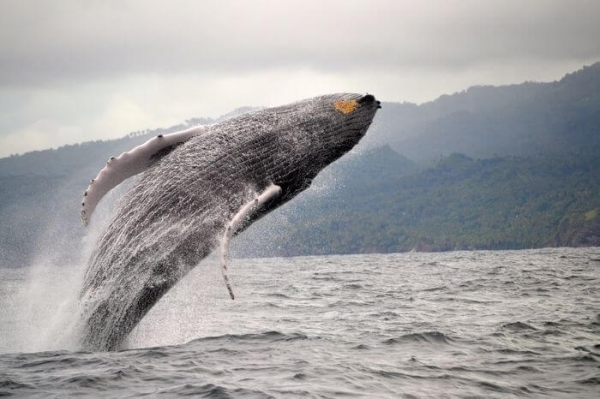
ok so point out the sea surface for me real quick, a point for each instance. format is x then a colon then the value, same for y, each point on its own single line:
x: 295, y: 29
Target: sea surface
x: 498, y: 324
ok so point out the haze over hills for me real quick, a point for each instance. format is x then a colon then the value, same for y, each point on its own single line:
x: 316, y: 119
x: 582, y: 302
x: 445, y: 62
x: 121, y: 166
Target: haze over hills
x: 484, y: 121
x: 488, y: 168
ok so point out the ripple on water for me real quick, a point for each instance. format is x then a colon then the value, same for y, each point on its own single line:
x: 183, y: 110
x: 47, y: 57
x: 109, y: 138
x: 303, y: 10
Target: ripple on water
x: 269, y: 336
x: 590, y: 381
x: 210, y: 391
x: 518, y: 326
x: 427, y: 337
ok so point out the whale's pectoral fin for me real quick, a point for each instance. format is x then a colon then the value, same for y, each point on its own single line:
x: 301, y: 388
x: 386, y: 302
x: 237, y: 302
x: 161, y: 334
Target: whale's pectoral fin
x: 272, y: 192
x: 129, y: 164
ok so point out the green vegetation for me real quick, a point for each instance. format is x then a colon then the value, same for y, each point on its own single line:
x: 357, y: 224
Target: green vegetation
x: 461, y: 203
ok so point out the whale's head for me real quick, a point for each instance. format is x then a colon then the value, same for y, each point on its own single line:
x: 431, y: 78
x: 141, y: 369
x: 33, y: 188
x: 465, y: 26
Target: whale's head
x: 319, y: 131
x: 344, y: 118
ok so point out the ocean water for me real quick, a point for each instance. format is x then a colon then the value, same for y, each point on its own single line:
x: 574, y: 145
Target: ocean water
x: 495, y: 324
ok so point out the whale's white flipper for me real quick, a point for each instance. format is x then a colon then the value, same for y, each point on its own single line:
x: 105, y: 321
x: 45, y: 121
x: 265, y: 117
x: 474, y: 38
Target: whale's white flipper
x: 271, y: 192
x: 129, y: 164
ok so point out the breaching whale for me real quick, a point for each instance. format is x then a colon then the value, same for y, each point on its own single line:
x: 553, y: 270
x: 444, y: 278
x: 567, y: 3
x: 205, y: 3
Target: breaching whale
x: 197, y: 188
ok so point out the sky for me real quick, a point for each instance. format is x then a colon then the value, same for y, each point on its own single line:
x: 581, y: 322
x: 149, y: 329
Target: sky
x: 73, y: 71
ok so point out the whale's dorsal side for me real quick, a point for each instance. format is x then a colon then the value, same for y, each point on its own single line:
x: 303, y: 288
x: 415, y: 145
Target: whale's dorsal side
x: 129, y: 164
x: 271, y: 193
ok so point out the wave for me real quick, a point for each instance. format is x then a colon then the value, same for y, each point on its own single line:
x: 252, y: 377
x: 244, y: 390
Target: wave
x: 277, y: 295
x: 518, y: 326
x: 271, y: 336
x: 210, y: 391
x: 590, y: 381
x: 429, y: 337
x: 10, y: 384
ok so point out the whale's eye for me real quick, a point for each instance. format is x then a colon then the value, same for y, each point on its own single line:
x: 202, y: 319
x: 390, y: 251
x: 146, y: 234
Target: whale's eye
x: 346, y: 107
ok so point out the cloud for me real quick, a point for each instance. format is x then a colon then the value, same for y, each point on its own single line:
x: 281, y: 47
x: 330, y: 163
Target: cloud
x: 72, y: 71
x: 73, y: 40
x: 38, y: 135
x: 48, y: 118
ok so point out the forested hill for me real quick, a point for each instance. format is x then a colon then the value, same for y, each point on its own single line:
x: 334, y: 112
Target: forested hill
x: 459, y: 204
x: 485, y: 121
x: 492, y: 167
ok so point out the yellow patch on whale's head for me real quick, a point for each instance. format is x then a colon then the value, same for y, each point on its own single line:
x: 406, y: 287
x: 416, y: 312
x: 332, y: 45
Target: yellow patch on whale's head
x: 346, y: 107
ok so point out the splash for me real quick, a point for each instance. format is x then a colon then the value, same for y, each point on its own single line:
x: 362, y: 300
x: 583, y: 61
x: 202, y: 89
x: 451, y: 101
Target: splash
x: 41, y: 310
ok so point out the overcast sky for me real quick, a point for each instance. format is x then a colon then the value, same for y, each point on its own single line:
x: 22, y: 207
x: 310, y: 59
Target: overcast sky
x: 73, y: 71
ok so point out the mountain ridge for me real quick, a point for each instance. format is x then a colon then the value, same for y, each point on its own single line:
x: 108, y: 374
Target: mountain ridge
x: 449, y: 174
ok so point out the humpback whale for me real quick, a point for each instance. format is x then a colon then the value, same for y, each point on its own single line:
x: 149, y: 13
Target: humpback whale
x: 197, y: 189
